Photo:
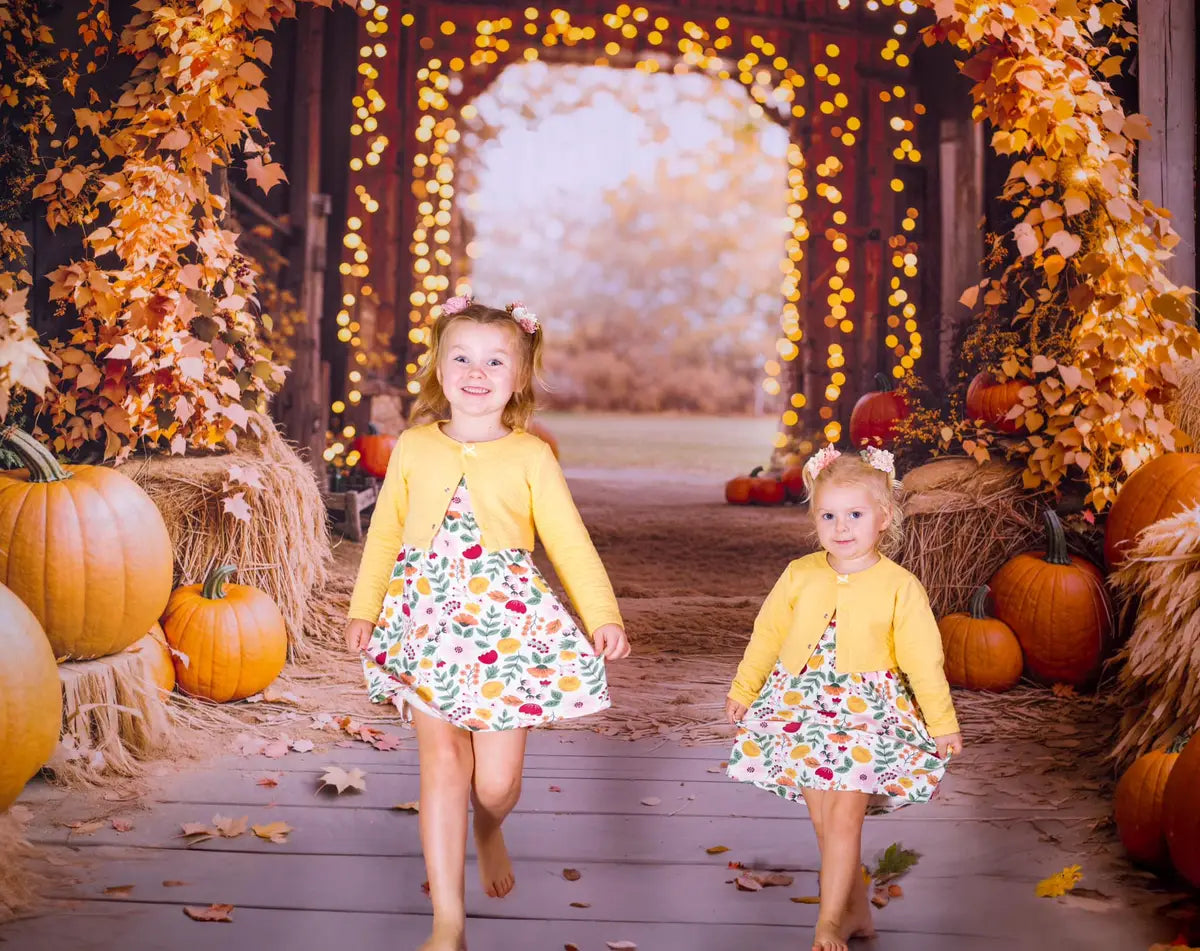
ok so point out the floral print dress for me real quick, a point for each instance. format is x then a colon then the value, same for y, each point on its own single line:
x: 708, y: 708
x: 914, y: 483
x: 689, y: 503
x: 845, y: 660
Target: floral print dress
x: 819, y: 729
x: 477, y: 637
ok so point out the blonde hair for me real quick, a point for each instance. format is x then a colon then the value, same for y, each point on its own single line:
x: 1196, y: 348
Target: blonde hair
x: 432, y: 402
x: 851, y: 469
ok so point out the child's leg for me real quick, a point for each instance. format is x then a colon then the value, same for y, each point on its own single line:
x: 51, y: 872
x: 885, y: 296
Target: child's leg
x: 844, y: 911
x: 499, y: 757
x: 446, y: 765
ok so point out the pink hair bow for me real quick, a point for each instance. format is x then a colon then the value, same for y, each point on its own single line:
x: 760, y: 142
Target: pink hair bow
x: 526, y: 319
x: 875, y: 457
x: 456, y: 305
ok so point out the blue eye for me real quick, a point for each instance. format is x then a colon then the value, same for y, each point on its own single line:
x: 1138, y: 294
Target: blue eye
x: 826, y: 516
x: 460, y: 359
x: 496, y: 362
x: 856, y: 514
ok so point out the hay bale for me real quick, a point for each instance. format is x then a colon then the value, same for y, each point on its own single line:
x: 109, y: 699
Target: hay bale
x: 114, y: 719
x: 1184, y: 409
x: 284, y: 549
x: 23, y: 873
x: 962, y: 521
x: 1158, y: 679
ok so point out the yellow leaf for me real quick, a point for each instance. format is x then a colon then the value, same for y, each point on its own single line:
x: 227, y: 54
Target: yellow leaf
x: 969, y: 296
x: 1111, y: 66
x: 175, y: 140
x: 276, y: 832
x: 1075, y: 201
x: 1137, y: 126
x: 1054, y: 264
x: 1026, y: 15
x: 1171, y: 307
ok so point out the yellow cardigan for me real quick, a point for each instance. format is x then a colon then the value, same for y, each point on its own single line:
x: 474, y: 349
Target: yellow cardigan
x: 883, y: 621
x: 517, y: 490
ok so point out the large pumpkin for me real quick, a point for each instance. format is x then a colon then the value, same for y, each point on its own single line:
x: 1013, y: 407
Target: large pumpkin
x: 874, y: 417
x: 159, y: 665
x: 982, y: 653
x: 1138, y: 807
x: 84, y: 548
x: 1181, y: 812
x: 233, y: 638
x: 990, y: 401
x: 30, y: 697
x: 374, y: 451
x: 1057, y: 606
x: 1164, y: 486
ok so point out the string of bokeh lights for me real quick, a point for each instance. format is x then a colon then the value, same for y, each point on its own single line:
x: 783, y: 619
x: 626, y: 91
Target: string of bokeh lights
x: 771, y: 82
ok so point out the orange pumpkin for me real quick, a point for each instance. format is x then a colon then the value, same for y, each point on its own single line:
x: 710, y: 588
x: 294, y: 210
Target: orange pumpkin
x: 990, y: 401
x: 982, y: 653
x: 766, y: 490
x: 234, y: 638
x: 85, y: 548
x: 374, y: 451
x: 1181, y: 813
x: 793, y: 483
x: 159, y: 665
x: 542, y: 433
x: 874, y: 417
x: 1057, y: 606
x: 30, y: 697
x: 1164, y: 486
x: 737, y: 490
x: 1138, y: 807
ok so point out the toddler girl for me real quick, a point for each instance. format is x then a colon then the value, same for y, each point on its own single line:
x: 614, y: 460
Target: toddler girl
x: 456, y: 624
x: 840, y: 696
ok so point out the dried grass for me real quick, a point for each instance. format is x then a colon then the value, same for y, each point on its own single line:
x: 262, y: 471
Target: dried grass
x: 285, y: 547
x: 1158, y: 679
x: 962, y: 522
x: 24, y: 876
x: 1184, y: 409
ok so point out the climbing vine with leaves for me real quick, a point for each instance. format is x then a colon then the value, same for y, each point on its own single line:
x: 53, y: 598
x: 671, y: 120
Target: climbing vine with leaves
x: 1081, y: 311
x: 167, y: 348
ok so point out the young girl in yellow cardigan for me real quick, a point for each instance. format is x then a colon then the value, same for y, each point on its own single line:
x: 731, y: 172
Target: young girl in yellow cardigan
x: 840, y: 696
x: 455, y: 623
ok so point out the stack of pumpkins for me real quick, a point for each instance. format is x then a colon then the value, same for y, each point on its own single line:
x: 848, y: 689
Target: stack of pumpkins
x: 1155, y: 802
x: 85, y: 573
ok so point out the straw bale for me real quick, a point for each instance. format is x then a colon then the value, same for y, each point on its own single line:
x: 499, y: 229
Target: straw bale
x: 24, y: 872
x: 1158, y: 678
x: 284, y: 549
x: 1184, y: 409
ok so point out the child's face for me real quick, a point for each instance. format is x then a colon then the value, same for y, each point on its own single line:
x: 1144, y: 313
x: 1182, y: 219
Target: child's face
x: 478, y: 368
x: 849, y: 522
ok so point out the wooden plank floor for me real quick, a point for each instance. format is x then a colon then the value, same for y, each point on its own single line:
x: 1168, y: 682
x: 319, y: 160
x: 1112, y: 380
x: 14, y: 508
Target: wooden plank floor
x: 350, y: 873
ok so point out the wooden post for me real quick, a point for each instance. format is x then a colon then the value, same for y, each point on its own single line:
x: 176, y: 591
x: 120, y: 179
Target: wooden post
x: 960, y: 160
x: 1167, y: 97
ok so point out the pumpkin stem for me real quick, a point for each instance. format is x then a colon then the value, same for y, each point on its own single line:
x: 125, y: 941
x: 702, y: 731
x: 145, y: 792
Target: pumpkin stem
x: 885, y: 382
x: 42, y: 465
x: 1056, y: 541
x: 214, y: 584
x: 978, y: 603
x: 756, y: 472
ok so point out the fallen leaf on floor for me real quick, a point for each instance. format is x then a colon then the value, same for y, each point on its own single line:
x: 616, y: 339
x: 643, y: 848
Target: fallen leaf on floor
x: 555, y: 789
x: 651, y: 801
x: 247, y: 745
x: 621, y: 945
x: 274, y: 694
x: 769, y: 879
x: 806, y: 899
x: 121, y: 891
x: 425, y: 887
x: 407, y: 807
x: 895, y: 891
x: 230, y: 828
x: 341, y: 780
x: 748, y: 883
x: 190, y: 829
x: 211, y: 913
x: 1059, y: 883
x: 570, y: 947
x: 114, y: 795
x: 716, y: 849
x: 734, y: 864
x: 276, y: 748
x: 80, y: 827
x: 122, y: 825
x: 879, y: 897
x: 389, y: 742
x: 171, y: 883
x: 302, y: 746
x: 714, y: 769
x: 571, y: 874
x: 894, y: 862
x: 269, y: 781
x: 581, y: 904
x: 276, y: 832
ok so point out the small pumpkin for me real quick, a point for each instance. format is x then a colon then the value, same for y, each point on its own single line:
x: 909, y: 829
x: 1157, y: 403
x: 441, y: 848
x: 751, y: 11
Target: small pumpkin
x: 157, y: 655
x: 85, y: 548
x: 766, y: 489
x: 982, y: 653
x: 1164, y: 486
x: 234, y: 638
x: 374, y: 451
x: 738, y: 489
x: 990, y: 401
x: 1138, y: 807
x: 537, y: 429
x: 1181, y: 813
x: 30, y: 697
x: 1057, y: 606
x: 874, y: 417
x: 793, y: 483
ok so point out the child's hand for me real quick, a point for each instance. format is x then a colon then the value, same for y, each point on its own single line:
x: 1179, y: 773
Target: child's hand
x: 610, y: 641
x: 734, y: 711
x: 357, y: 634
x: 950, y: 743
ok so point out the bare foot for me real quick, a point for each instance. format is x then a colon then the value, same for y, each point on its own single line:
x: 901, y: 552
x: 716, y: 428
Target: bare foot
x: 859, y: 922
x: 445, y: 939
x: 828, y: 937
x: 495, y: 867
